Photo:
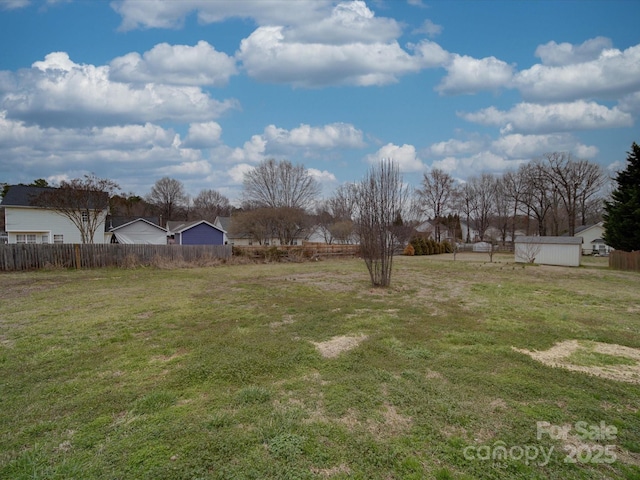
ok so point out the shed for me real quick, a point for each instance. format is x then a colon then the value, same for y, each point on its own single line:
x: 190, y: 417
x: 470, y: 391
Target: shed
x: 140, y: 231
x: 565, y: 251
x: 199, y: 232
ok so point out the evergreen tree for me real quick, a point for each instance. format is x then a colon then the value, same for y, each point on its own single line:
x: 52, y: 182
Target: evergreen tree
x: 622, y: 212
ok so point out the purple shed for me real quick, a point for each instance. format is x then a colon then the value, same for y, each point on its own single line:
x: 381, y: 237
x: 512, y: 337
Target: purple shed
x: 199, y: 232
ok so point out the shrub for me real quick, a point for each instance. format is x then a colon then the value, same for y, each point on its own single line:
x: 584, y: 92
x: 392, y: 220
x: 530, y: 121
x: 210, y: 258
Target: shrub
x: 409, y: 250
x: 447, y: 247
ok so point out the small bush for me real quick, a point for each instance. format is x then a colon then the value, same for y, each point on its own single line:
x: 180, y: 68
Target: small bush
x: 409, y: 250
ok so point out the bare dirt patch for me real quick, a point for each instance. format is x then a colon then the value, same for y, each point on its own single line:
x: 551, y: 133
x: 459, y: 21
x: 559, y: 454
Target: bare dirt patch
x: 337, y: 345
x: 562, y: 353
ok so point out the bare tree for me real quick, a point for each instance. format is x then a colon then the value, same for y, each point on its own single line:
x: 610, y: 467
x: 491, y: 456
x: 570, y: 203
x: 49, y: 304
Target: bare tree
x: 484, y: 190
x: 379, y: 198
x: 514, y: 188
x: 84, y: 201
x: 438, y: 188
x: 537, y: 198
x: 168, y: 196
x: 280, y: 184
x: 209, y: 204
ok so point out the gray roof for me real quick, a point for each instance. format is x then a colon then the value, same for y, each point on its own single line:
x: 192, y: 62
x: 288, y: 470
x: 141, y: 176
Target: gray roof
x: 118, y: 222
x: 23, y: 195
x: 178, y: 227
x: 550, y: 240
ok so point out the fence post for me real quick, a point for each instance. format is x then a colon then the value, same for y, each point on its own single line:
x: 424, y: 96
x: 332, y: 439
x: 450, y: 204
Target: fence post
x: 76, y: 248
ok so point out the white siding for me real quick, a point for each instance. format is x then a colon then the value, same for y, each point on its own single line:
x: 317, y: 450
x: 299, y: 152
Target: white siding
x: 25, y: 220
x: 141, y: 232
x: 549, y: 254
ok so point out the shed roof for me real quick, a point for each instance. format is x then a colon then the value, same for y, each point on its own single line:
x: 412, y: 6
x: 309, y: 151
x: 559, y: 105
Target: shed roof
x: 179, y: 227
x: 550, y: 240
x: 140, y: 219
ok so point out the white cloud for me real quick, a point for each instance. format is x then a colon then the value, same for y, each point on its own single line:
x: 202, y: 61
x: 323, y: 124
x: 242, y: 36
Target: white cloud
x: 58, y: 91
x: 471, y: 75
x: 175, y: 64
x: 612, y: 74
x: 405, y: 157
x: 203, y: 135
x: 482, y: 162
x: 349, y: 22
x: 322, y: 176
x: 171, y: 13
x: 518, y: 146
x: 335, y: 135
x: 455, y: 147
x: 13, y: 4
x: 558, y: 117
x: 236, y: 173
x: 555, y: 54
x: 267, y: 56
x: 429, y: 28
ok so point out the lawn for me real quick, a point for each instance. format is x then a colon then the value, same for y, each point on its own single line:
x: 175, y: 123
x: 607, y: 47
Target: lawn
x: 302, y: 370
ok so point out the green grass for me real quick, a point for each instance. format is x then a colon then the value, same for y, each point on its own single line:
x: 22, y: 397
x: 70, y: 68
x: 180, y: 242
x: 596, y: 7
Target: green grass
x: 211, y: 372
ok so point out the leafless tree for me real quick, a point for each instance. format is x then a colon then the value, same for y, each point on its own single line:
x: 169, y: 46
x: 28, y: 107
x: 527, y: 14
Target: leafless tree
x: 168, y: 196
x: 537, y: 198
x: 484, y: 191
x: 379, y: 198
x: 575, y: 181
x: 438, y: 188
x: 334, y: 215
x: 280, y: 184
x: 83, y: 201
x: 209, y: 204
x: 514, y: 188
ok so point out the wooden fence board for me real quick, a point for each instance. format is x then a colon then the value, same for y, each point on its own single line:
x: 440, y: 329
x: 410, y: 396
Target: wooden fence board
x: 620, y: 260
x: 16, y: 257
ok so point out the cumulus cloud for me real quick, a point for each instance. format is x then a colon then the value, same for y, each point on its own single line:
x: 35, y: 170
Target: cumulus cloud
x: 349, y: 22
x: 558, y: 54
x: 558, y: 117
x: 203, y: 135
x: 405, y: 157
x: 455, y: 147
x: 429, y: 28
x: 175, y: 64
x: 612, y: 74
x: 335, y: 135
x: 470, y: 75
x: 171, y: 14
x: 322, y: 176
x: 57, y: 91
x: 518, y: 146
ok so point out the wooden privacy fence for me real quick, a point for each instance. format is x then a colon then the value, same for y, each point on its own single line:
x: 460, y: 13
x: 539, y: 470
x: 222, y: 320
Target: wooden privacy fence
x: 620, y: 260
x: 15, y: 257
x: 307, y: 250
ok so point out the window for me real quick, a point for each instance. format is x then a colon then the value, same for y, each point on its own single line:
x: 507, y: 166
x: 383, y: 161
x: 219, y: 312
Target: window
x: 85, y: 217
x: 31, y: 238
x: 45, y: 239
x: 58, y: 239
x: 21, y: 238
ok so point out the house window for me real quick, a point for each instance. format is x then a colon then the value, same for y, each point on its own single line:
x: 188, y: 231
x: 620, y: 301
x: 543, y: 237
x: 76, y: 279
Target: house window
x: 58, y: 239
x: 21, y: 238
x: 31, y: 238
x: 85, y: 217
x: 45, y: 239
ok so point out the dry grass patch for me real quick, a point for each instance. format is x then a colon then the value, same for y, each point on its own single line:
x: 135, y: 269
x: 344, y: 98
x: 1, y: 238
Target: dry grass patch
x: 337, y: 345
x: 611, y: 361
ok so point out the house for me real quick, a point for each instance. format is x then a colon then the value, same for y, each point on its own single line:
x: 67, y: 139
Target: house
x: 592, y: 242
x: 198, y: 232
x: 566, y: 251
x: 136, y: 231
x: 27, y: 220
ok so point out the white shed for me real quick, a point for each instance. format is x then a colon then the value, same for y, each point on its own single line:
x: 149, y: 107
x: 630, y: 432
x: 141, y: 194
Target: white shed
x: 140, y: 230
x: 565, y: 251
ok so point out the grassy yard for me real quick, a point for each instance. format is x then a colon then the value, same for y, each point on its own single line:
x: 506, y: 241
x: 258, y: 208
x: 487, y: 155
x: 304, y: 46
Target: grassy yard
x: 304, y: 371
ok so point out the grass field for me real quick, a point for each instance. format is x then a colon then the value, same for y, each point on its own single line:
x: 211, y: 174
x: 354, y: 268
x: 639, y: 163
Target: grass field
x: 302, y: 370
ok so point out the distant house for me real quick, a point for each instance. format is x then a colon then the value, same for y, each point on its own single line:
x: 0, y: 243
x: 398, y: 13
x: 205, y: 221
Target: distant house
x: 28, y: 221
x: 137, y: 231
x: 591, y: 235
x: 246, y: 239
x: 566, y: 251
x: 199, y: 232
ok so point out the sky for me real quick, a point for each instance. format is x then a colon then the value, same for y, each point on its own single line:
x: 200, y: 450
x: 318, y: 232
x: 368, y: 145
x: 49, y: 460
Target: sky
x: 203, y: 90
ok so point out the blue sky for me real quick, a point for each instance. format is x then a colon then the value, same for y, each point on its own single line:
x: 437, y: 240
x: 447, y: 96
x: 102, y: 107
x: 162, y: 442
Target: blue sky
x: 203, y: 90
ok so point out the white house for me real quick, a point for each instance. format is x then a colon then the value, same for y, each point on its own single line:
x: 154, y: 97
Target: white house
x: 592, y: 242
x: 139, y: 230
x: 26, y: 221
x: 566, y: 251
